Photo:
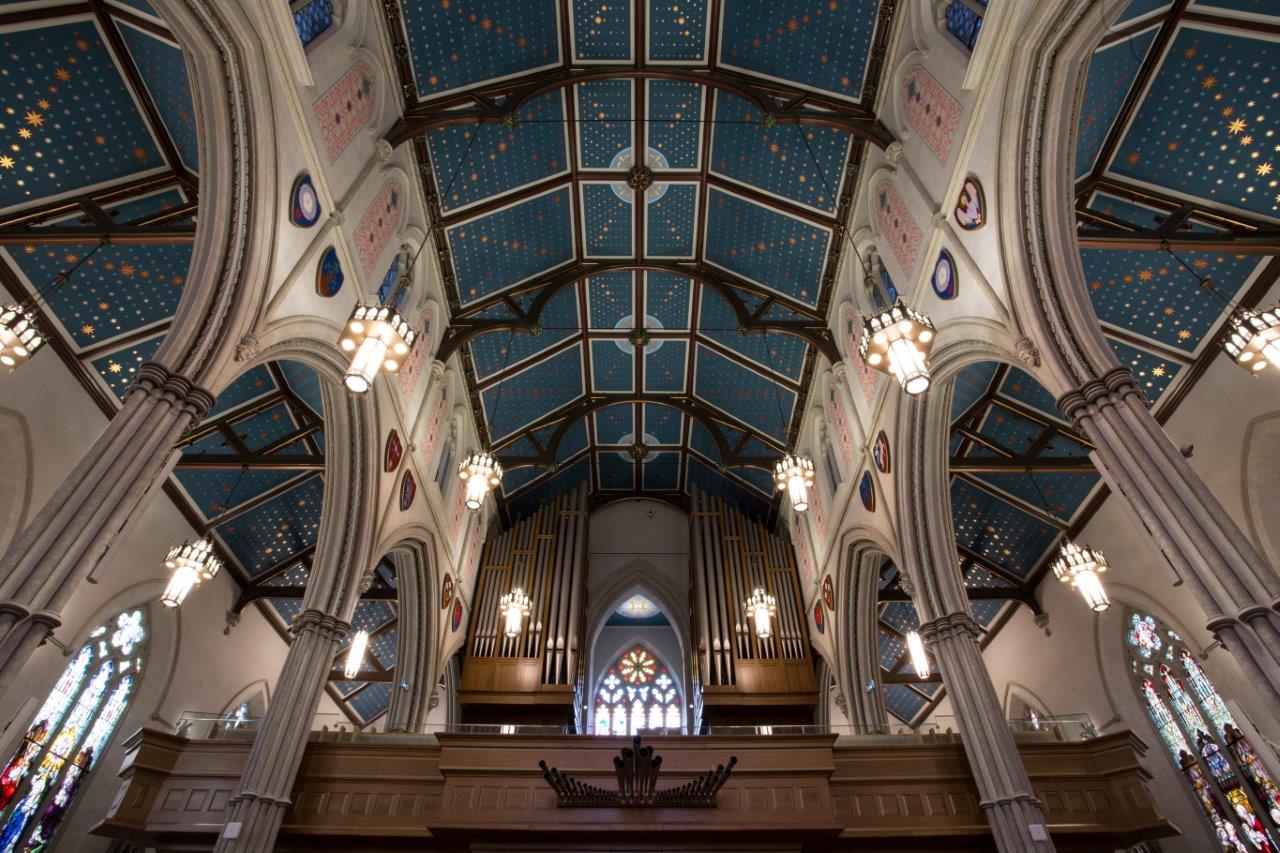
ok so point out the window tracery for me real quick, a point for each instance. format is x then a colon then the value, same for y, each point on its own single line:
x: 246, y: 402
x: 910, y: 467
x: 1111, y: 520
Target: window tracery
x: 1236, y: 792
x: 69, y: 733
x: 636, y: 694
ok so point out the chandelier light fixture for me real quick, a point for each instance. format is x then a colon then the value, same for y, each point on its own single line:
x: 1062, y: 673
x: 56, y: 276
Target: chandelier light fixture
x: 761, y: 607
x: 355, y: 654
x: 481, y: 472
x: 191, y: 564
x: 514, y: 607
x: 377, y: 338
x: 919, y: 660
x: 794, y: 475
x: 19, y: 337
x: 897, y: 342
x: 1254, y: 339
x: 1080, y: 566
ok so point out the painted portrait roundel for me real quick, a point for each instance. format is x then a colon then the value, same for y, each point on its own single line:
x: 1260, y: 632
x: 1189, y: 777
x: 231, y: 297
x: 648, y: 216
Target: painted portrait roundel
x: 408, y: 490
x: 394, y: 452
x: 971, y: 207
x: 880, y: 453
x: 867, y: 491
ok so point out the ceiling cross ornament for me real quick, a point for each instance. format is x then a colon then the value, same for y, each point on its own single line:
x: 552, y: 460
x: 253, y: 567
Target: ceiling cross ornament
x: 637, y: 770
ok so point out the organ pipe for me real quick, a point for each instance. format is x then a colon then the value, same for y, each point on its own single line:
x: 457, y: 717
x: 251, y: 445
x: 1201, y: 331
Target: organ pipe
x: 732, y: 555
x: 543, y: 554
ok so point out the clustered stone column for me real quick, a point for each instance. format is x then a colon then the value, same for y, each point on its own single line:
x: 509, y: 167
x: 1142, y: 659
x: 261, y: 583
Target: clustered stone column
x: 865, y: 708
x: 932, y: 575
x: 259, y: 805
x: 342, y: 571
x: 83, y: 518
x: 1192, y: 533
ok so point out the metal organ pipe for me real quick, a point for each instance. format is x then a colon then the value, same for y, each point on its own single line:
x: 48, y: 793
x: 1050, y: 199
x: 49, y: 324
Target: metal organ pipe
x: 699, y: 568
x: 577, y: 579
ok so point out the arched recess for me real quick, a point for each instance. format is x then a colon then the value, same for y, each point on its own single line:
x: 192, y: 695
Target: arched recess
x: 340, y: 566
x: 415, y: 676
x: 988, y: 453
x: 1259, y: 462
x: 16, y: 462
x: 638, y: 577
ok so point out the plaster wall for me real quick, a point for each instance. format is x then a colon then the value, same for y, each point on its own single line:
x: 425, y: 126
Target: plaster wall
x: 190, y: 663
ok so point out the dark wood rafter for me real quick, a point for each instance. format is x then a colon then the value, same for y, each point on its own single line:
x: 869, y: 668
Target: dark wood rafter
x: 812, y: 330
x: 500, y: 103
x: 567, y: 416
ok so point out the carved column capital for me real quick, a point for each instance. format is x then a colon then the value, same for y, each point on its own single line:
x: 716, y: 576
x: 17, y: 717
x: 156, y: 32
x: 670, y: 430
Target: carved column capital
x: 322, y: 624
x: 950, y: 626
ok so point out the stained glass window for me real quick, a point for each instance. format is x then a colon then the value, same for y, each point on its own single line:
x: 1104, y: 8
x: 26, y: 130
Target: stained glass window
x: 1236, y: 792
x: 636, y: 694
x: 311, y: 18
x: 964, y: 20
x: 69, y: 732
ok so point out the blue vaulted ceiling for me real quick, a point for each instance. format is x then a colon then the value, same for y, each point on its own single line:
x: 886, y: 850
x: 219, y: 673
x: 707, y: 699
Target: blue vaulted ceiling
x: 541, y: 229
x: 1178, y: 141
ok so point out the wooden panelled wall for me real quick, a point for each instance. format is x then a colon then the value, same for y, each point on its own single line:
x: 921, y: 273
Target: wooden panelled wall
x: 544, y: 555
x: 733, y: 555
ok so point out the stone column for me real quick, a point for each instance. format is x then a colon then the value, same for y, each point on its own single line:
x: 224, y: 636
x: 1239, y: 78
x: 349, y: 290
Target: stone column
x: 1188, y: 529
x: 342, y: 571
x: 415, y: 682
x: 77, y: 527
x: 858, y: 628
x: 258, y: 807
x: 932, y: 575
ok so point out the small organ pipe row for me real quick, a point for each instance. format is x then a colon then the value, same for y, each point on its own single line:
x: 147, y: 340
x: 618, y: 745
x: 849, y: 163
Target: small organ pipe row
x: 732, y: 556
x: 544, y: 555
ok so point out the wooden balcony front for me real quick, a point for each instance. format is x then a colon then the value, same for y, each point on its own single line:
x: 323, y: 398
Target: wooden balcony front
x: 484, y: 791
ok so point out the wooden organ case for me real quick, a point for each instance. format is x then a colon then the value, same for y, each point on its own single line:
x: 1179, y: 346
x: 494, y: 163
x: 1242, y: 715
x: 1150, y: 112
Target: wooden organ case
x: 745, y: 679
x: 533, y: 676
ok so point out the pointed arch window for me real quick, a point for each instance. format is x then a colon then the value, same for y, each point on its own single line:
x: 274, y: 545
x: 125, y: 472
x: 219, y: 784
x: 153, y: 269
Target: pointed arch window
x: 964, y: 20
x: 69, y: 733
x: 636, y: 694
x: 1236, y: 792
x: 311, y: 18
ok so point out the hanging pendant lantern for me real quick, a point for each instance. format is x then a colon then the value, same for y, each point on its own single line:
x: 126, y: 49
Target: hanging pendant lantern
x: 19, y: 336
x: 481, y: 472
x: 919, y: 660
x: 897, y: 343
x: 191, y: 564
x: 514, y: 607
x: 1254, y: 339
x: 378, y: 338
x: 794, y: 475
x: 355, y: 654
x: 761, y: 607
x: 1080, y: 567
